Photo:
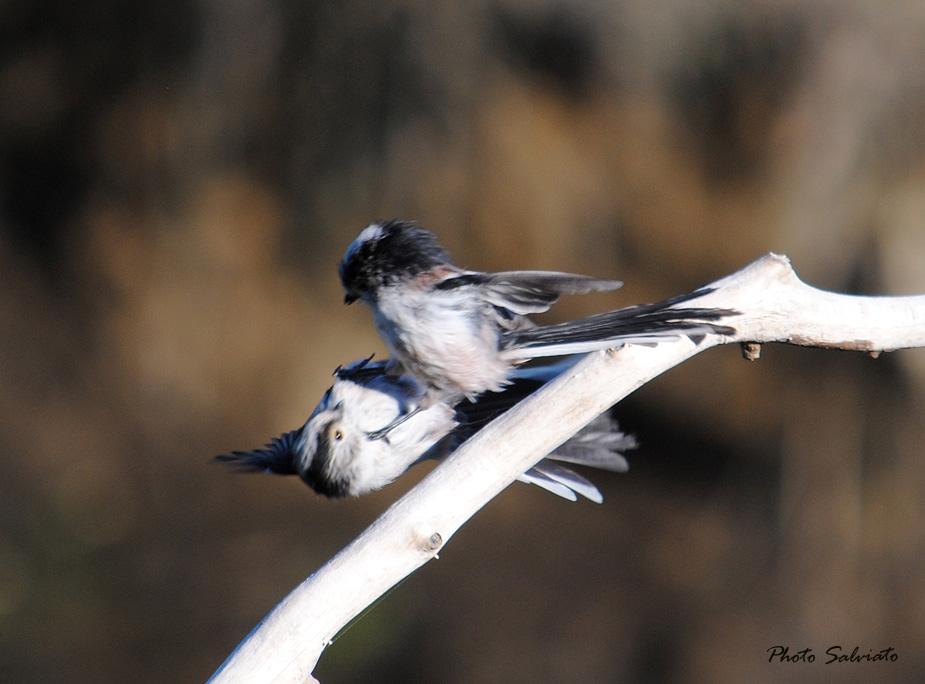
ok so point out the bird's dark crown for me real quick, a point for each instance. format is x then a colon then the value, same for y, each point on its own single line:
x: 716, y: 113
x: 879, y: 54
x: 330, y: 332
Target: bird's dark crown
x: 386, y: 253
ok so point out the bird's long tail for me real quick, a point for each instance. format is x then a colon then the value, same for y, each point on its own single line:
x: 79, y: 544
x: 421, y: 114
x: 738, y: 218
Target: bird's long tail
x: 640, y: 324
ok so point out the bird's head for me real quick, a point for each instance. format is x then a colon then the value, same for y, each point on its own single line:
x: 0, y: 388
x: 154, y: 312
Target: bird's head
x: 386, y: 253
x: 330, y: 454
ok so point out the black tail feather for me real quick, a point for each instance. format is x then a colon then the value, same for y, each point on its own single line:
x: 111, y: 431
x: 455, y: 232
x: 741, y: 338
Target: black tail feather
x: 278, y: 456
x: 660, y: 318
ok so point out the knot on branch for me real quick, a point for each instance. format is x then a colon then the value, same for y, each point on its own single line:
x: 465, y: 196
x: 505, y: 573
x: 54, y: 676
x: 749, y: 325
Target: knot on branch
x: 431, y: 544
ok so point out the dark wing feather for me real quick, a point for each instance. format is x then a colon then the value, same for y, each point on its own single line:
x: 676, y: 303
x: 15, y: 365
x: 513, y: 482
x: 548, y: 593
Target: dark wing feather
x: 474, y: 414
x: 527, y: 292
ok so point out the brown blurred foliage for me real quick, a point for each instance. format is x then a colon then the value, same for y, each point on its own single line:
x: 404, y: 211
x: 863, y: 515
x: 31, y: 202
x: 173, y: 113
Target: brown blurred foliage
x: 177, y: 183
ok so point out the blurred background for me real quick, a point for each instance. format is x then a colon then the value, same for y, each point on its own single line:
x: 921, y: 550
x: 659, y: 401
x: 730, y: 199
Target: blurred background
x: 177, y: 183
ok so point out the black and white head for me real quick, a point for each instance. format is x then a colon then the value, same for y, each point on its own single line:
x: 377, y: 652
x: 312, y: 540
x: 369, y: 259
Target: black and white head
x: 322, y: 453
x: 342, y: 456
x: 329, y: 455
x: 387, y: 253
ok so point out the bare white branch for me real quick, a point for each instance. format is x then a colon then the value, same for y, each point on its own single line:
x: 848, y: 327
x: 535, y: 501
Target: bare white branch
x: 774, y: 306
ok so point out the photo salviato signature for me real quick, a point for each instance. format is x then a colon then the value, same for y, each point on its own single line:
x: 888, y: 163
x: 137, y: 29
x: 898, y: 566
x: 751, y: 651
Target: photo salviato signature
x: 833, y: 654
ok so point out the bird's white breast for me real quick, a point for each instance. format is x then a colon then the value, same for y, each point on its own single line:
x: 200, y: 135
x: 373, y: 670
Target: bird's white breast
x: 442, y: 338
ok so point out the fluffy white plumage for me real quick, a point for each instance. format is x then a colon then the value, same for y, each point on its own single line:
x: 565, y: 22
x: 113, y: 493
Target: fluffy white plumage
x: 338, y: 453
x: 460, y: 333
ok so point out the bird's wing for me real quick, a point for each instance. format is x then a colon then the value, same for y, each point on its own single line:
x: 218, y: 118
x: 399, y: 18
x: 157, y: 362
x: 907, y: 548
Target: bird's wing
x: 597, y: 445
x: 527, y: 292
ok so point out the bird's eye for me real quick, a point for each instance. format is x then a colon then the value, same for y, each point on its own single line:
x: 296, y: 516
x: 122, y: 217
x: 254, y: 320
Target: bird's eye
x: 338, y: 435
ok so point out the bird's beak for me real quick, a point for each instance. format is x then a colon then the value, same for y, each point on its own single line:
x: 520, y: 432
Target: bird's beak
x: 349, y: 299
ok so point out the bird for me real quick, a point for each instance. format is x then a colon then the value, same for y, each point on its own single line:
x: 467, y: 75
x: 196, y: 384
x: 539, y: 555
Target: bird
x: 338, y: 452
x: 460, y: 333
